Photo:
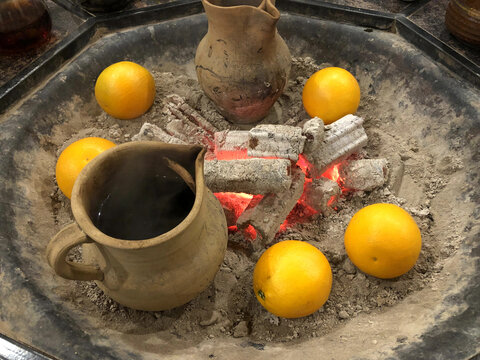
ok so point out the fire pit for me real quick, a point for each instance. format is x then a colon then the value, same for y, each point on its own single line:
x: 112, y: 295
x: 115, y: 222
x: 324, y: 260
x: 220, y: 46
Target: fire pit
x: 284, y: 166
x: 421, y: 129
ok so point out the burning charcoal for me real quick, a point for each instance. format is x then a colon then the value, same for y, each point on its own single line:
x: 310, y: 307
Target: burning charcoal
x: 281, y: 141
x: 188, y: 132
x: 364, y: 174
x: 314, y: 131
x: 273, y: 209
x: 396, y: 169
x: 184, y: 123
x: 230, y: 216
x: 342, y: 138
x: 322, y: 193
x: 231, y: 142
x: 251, y: 176
x: 152, y: 132
x: 190, y: 113
x: 233, y: 205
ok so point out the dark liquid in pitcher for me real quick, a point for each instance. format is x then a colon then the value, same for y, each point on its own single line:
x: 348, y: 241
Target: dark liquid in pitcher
x: 144, y: 206
x: 24, y: 25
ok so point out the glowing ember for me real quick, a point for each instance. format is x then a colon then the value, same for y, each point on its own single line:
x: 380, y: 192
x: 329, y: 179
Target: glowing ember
x: 333, y: 174
x: 250, y: 232
x: 303, y: 212
x: 272, y: 160
x: 235, y: 204
x: 331, y: 201
x: 304, y: 164
x: 255, y: 200
x: 231, y: 155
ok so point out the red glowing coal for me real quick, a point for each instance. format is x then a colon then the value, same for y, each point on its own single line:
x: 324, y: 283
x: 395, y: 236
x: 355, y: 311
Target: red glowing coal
x: 235, y: 204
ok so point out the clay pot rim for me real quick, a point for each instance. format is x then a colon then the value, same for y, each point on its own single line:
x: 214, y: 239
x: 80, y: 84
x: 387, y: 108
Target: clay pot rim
x: 267, y: 3
x: 474, y: 13
x: 85, y: 223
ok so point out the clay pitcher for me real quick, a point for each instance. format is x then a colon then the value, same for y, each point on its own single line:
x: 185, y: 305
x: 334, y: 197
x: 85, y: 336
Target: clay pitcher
x: 242, y: 63
x: 462, y: 19
x: 153, y: 235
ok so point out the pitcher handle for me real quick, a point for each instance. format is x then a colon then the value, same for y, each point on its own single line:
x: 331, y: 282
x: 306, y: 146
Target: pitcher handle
x: 58, y: 248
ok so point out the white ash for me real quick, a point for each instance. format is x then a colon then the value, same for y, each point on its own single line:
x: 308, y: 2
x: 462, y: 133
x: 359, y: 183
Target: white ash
x: 231, y: 141
x: 364, y: 174
x: 322, y: 193
x: 213, y: 319
x: 272, y: 210
x: 348, y: 267
x: 115, y: 132
x: 190, y: 113
x: 342, y: 314
x: 240, y: 330
x: 314, y: 132
x: 396, y: 170
x: 152, y: 132
x: 189, y: 133
x: 342, y: 138
x: 276, y: 140
x: 251, y: 176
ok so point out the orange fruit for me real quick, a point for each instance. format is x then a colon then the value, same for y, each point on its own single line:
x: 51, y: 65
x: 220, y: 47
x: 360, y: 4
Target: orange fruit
x: 330, y: 94
x: 74, y: 158
x: 383, y: 240
x: 125, y: 90
x: 292, y: 279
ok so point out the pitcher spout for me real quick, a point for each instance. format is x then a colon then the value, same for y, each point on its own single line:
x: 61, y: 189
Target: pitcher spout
x: 242, y: 63
x: 227, y: 17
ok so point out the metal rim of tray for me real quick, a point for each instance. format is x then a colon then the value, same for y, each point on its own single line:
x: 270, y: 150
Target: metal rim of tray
x: 47, y: 64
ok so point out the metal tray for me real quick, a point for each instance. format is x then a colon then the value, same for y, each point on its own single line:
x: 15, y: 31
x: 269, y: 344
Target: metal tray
x: 36, y: 321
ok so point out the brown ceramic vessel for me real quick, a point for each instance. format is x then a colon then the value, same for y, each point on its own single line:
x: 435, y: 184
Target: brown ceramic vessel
x: 462, y: 19
x: 242, y: 63
x: 156, y: 273
x: 24, y: 25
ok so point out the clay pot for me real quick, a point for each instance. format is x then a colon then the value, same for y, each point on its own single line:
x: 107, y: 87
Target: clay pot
x: 24, y: 25
x: 462, y: 19
x: 153, y: 273
x: 242, y: 63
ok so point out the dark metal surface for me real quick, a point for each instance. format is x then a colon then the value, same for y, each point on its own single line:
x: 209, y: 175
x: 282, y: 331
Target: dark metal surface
x: 458, y: 336
x: 28, y: 78
x: 439, y: 51
x: 341, y: 14
x: 64, y: 23
x: 431, y: 18
x: 31, y: 76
